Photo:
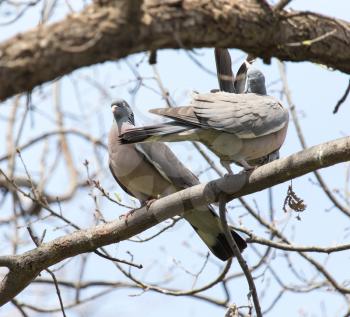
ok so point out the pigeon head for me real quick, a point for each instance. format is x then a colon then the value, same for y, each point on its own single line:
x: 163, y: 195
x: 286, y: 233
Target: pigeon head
x: 122, y: 111
x: 255, y: 81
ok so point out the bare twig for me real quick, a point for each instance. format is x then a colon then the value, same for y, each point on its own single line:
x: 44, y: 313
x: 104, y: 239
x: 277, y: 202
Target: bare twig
x: 237, y: 253
x: 342, y: 99
x: 139, y: 266
x: 19, y: 307
x: 312, y: 41
x: 37, y: 243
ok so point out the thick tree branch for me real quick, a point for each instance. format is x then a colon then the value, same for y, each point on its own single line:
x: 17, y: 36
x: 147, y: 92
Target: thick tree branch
x: 25, y: 267
x: 108, y: 30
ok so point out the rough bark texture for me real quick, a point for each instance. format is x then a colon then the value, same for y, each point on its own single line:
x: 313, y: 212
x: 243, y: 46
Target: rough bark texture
x: 25, y: 267
x: 108, y: 30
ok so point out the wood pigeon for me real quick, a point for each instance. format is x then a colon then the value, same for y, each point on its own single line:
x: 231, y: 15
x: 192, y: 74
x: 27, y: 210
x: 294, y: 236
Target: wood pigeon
x: 236, y: 127
x: 248, y: 80
x: 151, y: 170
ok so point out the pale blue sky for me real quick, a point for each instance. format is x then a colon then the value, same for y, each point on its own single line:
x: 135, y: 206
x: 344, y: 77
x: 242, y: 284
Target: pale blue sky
x: 315, y: 91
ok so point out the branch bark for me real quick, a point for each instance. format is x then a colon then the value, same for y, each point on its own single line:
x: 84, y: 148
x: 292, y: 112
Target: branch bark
x: 109, y: 30
x: 23, y: 268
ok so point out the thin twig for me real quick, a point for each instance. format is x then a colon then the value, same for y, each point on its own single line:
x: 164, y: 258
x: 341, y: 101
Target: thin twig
x: 37, y: 243
x: 342, y: 99
x: 171, y: 292
x: 19, y: 307
x: 174, y: 221
x: 64, y: 147
x: 237, y: 253
x: 313, y: 41
x: 57, y: 290
x: 39, y: 201
x: 139, y: 266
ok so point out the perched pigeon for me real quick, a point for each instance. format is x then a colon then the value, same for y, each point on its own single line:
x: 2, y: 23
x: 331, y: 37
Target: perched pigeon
x: 236, y: 127
x: 151, y: 170
x: 248, y: 80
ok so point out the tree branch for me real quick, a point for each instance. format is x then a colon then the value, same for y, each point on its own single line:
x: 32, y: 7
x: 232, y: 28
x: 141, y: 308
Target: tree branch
x: 25, y: 267
x: 105, y: 31
x: 243, y: 264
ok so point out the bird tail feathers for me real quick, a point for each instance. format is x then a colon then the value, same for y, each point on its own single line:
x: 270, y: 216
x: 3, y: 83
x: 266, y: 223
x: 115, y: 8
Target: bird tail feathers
x: 224, y: 70
x: 207, y: 225
x: 163, y: 132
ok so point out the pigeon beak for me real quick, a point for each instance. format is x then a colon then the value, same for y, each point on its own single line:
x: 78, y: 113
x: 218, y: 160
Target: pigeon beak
x: 116, y: 110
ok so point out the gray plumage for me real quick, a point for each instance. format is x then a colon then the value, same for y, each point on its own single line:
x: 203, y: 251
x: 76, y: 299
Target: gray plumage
x: 241, y: 78
x: 255, y: 82
x: 151, y: 170
x: 248, y: 80
x: 236, y: 127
